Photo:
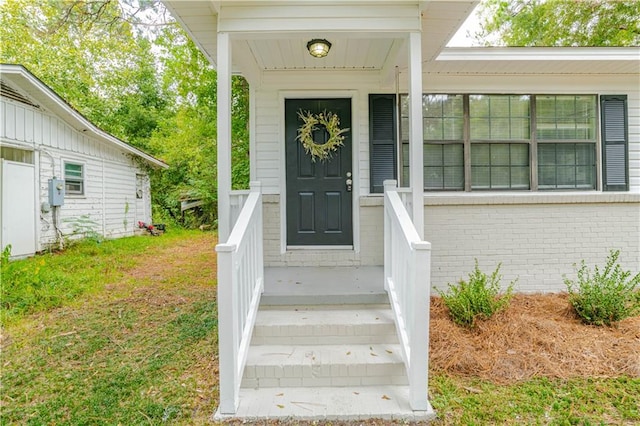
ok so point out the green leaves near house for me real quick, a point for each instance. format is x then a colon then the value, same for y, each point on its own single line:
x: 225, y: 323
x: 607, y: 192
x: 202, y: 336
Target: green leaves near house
x: 477, y: 298
x: 604, y: 296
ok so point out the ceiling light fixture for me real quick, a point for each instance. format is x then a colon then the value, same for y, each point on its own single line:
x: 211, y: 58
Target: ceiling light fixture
x: 318, y: 47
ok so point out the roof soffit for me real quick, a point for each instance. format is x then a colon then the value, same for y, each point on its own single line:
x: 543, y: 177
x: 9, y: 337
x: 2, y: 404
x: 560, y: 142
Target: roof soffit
x: 366, y: 35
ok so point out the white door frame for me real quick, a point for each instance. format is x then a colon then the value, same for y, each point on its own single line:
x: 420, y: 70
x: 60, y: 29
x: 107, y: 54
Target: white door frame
x: 355, y: 161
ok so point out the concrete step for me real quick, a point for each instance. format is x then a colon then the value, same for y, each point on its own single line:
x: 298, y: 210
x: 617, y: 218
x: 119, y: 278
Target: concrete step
x: 324, y: 365
x: 328, y: 403
x: 330, y: 324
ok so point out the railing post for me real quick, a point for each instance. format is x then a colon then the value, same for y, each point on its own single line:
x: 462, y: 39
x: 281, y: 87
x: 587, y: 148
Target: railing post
x: 256, y: 186
x: 388, y: 186
x: 228, y: 329
x: 419, y: 339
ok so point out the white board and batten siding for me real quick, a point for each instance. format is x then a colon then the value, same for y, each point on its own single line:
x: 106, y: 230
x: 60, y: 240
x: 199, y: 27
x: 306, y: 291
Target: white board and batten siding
x: 108, y: 206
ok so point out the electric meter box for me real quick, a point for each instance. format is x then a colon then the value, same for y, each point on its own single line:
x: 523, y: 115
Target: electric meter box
x: 56, y: 192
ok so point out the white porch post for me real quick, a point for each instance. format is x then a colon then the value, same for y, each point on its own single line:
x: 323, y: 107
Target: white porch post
x: 224, y: 136
x: 415, y: 131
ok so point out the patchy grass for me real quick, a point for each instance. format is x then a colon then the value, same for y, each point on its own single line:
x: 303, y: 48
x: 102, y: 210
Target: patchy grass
x: 581, y: 401
x: 51, y: 280
x: 138, y: 345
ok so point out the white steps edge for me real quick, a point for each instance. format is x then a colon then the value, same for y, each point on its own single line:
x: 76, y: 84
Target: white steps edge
x: 324, y: 365
x: 327, y: 403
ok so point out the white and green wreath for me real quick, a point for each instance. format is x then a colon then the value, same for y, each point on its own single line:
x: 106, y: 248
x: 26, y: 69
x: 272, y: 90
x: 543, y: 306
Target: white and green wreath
x: 311, y: 123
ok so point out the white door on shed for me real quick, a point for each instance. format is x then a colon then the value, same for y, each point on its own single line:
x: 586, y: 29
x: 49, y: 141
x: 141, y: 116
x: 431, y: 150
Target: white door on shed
x: 18, y: 208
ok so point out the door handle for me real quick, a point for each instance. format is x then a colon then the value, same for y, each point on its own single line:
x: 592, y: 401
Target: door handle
x: 349, y: 183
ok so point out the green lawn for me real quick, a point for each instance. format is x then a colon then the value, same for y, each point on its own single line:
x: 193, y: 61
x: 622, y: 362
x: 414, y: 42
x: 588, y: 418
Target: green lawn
x: 125, y: 332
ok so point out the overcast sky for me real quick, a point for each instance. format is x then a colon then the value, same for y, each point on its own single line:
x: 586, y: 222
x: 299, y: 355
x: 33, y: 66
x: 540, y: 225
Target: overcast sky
x: 464, y: 36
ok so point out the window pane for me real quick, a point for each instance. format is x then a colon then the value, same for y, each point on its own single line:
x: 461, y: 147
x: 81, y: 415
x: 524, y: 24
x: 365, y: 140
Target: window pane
x: 520, y: 128
x: 500, y: 166
x: 566, y: 165
x: 433, y: 129
x: 585, y: 177
x: 585, y: 154
x: 500, y: 177
x: 479, y: 106
x: 480, y: 178
x: 499, y: 154
x: 500, y: 129
x: 520, y: 106
x: 520, y: 177
x: 454, y: 178
x: 433, y: 178
x: 431, y: 106
x: 572, y: 117
x: 519, y: 154
x: 547, y: 153
x: 454, y: 154
x: 404, y: 128
x: 499, y: 117
x: 73, y: 187
x: 453, y: 128
x: 546, y: 177
x: 565, y: 154
x: 444, y: 117
x: 452, y: 106
x: 444, y: 166
x: 433, y: 155
x: 72, y: 170
x: 480, y: 155
x: 480, y: 129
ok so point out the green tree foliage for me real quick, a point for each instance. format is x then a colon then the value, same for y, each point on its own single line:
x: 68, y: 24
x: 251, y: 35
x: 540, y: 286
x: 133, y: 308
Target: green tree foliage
x: 132, y: 71
x: 560, y: 22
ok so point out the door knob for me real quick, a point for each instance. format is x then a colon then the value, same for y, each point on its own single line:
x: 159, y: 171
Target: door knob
x: 349, y: 183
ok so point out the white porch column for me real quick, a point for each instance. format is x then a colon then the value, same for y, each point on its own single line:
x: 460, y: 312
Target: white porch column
x: 224, y: 136
x: 416, y: 170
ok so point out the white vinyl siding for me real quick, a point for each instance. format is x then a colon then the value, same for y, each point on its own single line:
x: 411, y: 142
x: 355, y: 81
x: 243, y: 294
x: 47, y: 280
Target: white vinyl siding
x: 108, y: 174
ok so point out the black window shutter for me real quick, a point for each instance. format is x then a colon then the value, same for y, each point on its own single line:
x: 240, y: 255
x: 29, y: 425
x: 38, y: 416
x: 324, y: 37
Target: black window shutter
x: 382, y: 140
x: 615, y: 137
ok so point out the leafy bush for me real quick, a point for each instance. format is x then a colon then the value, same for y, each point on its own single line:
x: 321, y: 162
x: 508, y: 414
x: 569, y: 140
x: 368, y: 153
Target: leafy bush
x: 479, y: 297
x: 604, y: 297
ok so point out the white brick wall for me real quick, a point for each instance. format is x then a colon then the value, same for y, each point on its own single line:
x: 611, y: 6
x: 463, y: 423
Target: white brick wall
x: 537, y: 238
x: 537, y: 242
x: 370, y: 241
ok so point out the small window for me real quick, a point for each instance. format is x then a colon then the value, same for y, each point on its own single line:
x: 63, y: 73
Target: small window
x: 74, y: 179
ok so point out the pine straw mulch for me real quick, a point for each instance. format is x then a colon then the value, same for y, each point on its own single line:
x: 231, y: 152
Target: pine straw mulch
x: 537, y: 336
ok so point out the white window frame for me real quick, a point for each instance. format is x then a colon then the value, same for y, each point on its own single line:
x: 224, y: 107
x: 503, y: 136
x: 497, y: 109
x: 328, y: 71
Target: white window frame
x: 74, y: 179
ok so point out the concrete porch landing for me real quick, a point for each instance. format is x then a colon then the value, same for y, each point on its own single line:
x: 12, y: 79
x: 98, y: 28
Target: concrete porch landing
x: 324, y: 285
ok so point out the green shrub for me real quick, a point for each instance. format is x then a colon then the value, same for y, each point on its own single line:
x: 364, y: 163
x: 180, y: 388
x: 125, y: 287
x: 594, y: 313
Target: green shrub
x: 477, y: 298
x: 604, y: 297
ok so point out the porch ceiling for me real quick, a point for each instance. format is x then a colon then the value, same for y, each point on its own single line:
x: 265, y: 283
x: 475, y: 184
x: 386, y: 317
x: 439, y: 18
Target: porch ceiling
x: 374, y: 43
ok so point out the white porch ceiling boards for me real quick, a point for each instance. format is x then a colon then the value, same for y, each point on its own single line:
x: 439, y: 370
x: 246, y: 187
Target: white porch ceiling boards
x: 365, y: 35
x: 345, y: 53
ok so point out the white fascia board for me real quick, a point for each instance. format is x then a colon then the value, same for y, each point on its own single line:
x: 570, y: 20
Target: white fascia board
x: 197, y: 39
x: 50, y: 99
x: 294, y: 17
x: 540, y: 54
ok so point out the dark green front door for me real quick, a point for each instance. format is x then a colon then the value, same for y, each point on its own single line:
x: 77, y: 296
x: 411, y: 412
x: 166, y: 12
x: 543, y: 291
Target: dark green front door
x: 319, y: 210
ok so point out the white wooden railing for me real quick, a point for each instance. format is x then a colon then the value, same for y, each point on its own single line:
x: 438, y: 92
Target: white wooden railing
x: 240, y: 285
x: 236, y: 202
x: 407, y: 272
